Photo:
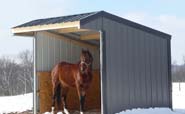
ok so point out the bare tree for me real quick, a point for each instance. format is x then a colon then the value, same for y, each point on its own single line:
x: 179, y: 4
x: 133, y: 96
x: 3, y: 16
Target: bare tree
x: 26, y: 63
x: 16, y: 77
x: 183, y: 58
x: 9, y: 74
x: 178, y: 71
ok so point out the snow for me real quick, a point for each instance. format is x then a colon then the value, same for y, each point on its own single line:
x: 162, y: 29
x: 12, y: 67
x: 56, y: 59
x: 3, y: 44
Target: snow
x: 149, y: 111
x: 17, y: 103
x: 47, y: 113
x: 178, y: 96
x: 59, y: 113
x: 22, y: 103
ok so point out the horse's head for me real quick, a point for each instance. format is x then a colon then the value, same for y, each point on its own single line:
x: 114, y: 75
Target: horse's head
x: 86, y: 60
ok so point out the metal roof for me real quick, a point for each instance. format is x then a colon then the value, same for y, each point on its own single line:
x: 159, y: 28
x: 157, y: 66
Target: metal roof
x: 54, y: 20
x: 87, y: 17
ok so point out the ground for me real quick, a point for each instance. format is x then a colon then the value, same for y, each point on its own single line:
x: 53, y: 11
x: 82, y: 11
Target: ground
x: 23, y: 104
x: 19, y: 103
x: 150, y: 111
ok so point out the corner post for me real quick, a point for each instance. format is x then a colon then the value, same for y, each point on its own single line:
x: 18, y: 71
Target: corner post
x: 34, y: 78
x: 103, y: 71
x: 169, y: 72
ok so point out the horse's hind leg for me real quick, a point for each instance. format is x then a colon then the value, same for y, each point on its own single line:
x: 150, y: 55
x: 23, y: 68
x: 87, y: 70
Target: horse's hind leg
x: 56, y: 91
x: 64, y: 98
x: 53, y: 101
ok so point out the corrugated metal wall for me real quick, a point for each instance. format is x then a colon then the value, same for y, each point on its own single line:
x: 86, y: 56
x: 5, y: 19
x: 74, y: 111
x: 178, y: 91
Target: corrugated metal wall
x: 136, y: 67
x: 51, y: 50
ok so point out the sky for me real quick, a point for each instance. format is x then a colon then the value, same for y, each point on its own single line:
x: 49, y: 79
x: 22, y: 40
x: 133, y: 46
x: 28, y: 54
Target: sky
x: 164, y: 15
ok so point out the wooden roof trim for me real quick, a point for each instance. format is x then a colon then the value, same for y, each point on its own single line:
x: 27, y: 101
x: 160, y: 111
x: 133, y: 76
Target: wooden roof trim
x: 71, y: 29
x: 95, y: 36
x: 46, y: 27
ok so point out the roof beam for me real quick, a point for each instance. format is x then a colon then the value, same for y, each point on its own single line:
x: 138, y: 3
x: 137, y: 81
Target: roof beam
x: 95, y: 36
x: 46, y: 27
x: 26, y: 34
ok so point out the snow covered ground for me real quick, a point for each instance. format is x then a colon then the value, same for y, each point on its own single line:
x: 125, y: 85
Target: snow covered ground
x: 150, y: 111
x: 22, y: 103
x: 18, y: 103
x: 178, y: 96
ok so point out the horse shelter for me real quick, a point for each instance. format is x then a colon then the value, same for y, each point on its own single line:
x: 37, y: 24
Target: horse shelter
x: 131, y: 67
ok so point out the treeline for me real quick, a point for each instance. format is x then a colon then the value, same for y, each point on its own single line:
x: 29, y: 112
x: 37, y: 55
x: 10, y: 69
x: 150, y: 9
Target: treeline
x: 178, y: 72
x: 16, y: 75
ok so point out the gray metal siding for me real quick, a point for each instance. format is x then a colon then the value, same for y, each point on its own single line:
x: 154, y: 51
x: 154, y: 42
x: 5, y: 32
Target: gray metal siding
x: 51, y: 50
x: 95, y: 24
x: 137, y: 68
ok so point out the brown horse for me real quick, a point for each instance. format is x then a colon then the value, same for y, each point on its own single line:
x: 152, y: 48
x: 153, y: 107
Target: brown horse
x: 65, y: 75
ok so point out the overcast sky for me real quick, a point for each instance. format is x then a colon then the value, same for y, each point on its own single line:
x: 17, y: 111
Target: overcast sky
x: 164, y: 15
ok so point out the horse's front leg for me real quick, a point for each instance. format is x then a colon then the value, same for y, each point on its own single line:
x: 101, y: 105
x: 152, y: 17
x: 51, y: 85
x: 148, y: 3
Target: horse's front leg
x: 82, y: 101
x: 82, y: 94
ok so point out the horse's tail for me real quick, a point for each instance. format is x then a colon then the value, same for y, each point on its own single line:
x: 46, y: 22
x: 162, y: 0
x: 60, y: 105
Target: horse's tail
x: 58, y: 95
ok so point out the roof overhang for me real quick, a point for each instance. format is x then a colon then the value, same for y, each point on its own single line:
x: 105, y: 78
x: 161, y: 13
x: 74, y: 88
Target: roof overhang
x: 28, y: 31
x: 67, y: 27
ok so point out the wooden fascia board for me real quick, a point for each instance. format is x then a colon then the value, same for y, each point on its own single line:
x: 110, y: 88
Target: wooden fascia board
x: 46, y: 27
x: 71, y: 29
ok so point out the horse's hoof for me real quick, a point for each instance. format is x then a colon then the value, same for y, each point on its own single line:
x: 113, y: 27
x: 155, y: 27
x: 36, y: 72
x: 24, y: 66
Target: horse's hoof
x: 81, y: 113
x: 59, y: 113
x: 52, y: 110
x: 66, y: 111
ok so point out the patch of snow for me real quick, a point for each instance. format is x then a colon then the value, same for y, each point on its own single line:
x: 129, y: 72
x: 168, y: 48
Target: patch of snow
x: 59, y: 113
x: 47, y: 113
x: 182, y: 111
x: 149, y: 111
x: 17, y: 103
x: 51, y: 113
x: 178, y: 96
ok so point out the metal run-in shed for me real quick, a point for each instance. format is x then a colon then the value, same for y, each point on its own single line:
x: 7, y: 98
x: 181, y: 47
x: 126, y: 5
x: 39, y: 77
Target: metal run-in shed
x: 134, y: 60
